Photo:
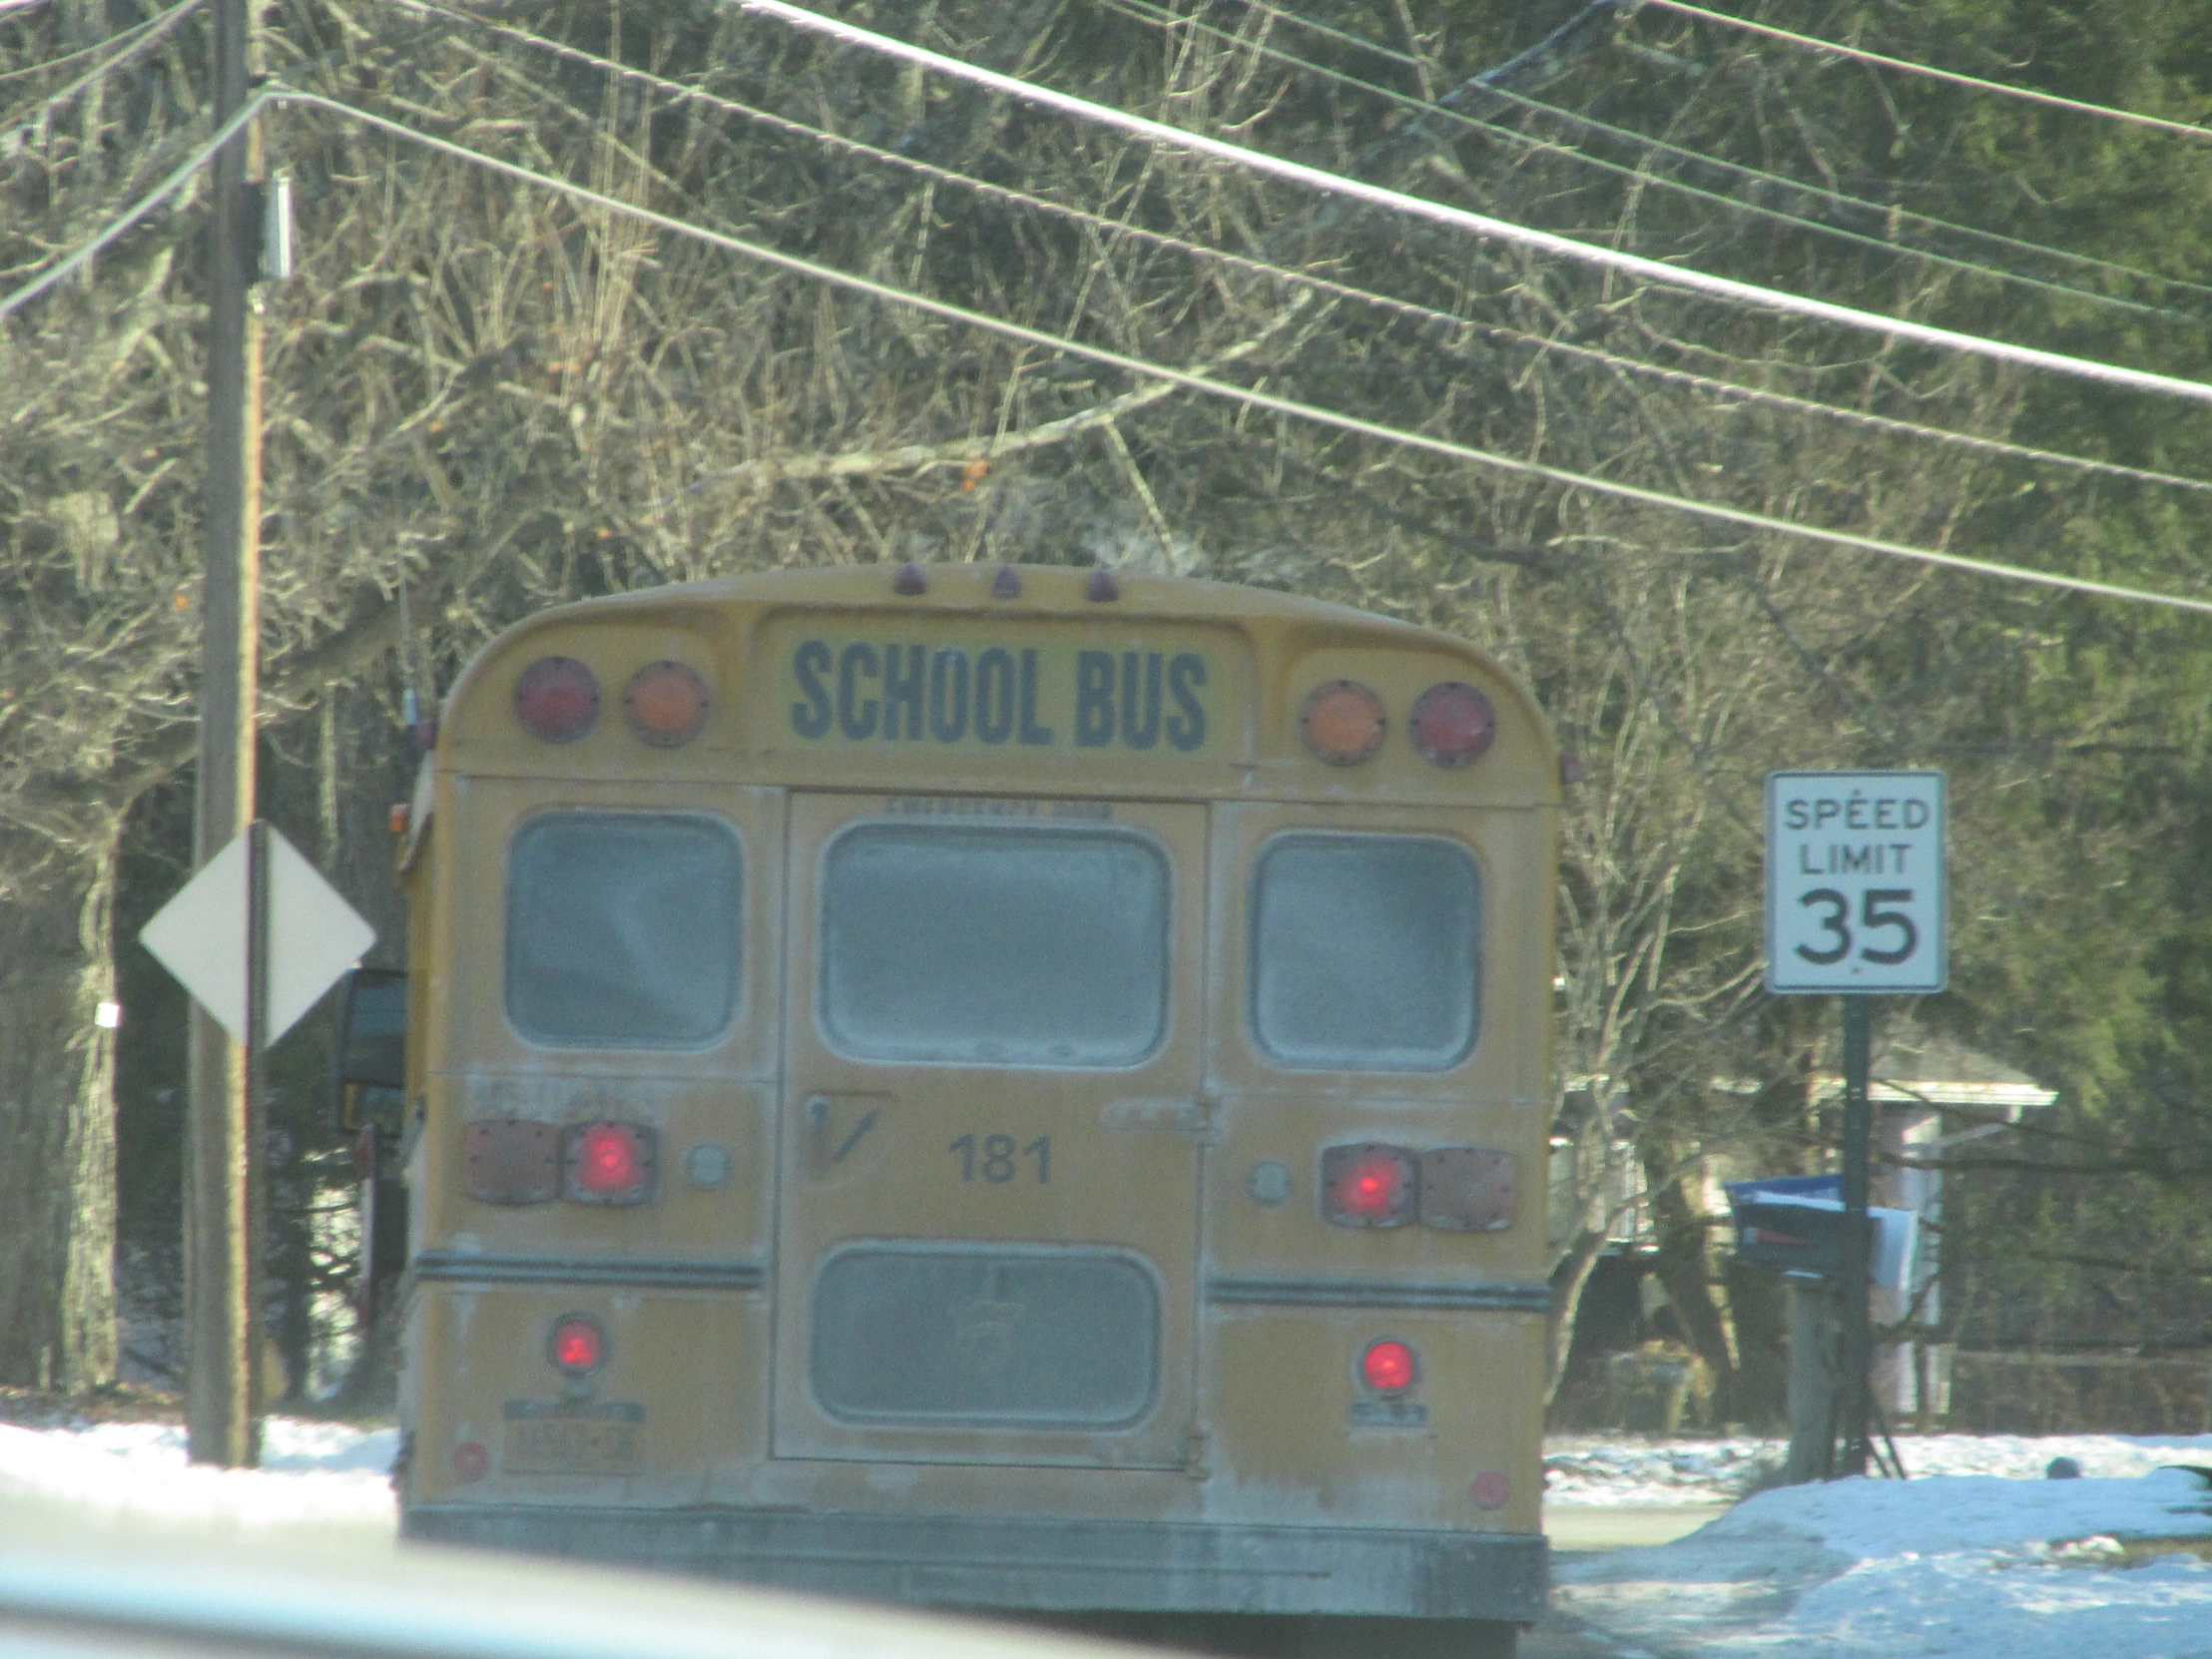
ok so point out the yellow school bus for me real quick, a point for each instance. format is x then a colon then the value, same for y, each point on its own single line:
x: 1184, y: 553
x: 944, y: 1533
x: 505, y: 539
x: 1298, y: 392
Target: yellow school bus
x: 1018, y: 1088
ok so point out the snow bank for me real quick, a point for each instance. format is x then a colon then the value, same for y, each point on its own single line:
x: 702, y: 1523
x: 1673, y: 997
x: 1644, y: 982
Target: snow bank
x: 1587, y: 1470
x: 1950, y: 1514
x: 1946, y: 1567
x: 316, y: 1474
x: 1651, y: 1471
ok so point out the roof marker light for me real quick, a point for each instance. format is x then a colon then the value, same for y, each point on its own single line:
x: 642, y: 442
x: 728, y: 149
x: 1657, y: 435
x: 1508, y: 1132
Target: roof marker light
x: 1342, y: 723
x: 557, y: 699
x: 1453, y: 724
x: 910, y: 581
x: 1104, y: 588
x: 1007, y: 583
x: 665, y: 702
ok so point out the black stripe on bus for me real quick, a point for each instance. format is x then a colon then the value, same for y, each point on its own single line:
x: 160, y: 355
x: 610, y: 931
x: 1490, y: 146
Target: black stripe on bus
x: 465, y: 1266
x: 1360, y: 1293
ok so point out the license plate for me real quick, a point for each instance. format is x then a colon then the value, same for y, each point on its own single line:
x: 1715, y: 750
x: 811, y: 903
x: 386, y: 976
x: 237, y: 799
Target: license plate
x: 574, y: 1443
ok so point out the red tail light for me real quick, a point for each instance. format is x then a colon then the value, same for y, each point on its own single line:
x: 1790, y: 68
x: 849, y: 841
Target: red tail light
x: 557, y: 699
x: 1369, y: 1185
x: 1453, y: 724
x: 610, y: 1163
x: 1389, y: 1367
x: 578, y: 1345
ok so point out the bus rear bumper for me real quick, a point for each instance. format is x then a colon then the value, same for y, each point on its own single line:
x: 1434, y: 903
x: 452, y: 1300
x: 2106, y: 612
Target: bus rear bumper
x: 1036, y: 1564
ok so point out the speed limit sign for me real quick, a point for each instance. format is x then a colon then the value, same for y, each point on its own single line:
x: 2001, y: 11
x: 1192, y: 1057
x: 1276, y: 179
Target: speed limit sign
x: 1856, y: 882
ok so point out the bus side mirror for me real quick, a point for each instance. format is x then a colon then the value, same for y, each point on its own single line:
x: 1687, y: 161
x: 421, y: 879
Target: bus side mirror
x: 368, y: 1064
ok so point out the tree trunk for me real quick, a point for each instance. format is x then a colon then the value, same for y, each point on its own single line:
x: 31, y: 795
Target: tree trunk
x: 56, y: 1109
x: 1569, y: 1276
x: 1684, y: 1271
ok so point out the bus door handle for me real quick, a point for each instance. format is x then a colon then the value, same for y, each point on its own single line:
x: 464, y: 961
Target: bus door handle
x: 1194, y: 1118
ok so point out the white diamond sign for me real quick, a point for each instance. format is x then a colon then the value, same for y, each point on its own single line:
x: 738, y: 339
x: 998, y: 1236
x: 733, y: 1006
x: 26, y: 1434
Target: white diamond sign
x: 313, y: 935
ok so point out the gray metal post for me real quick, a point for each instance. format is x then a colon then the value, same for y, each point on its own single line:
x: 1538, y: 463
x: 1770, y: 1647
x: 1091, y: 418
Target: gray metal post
x: 1855, y: 1348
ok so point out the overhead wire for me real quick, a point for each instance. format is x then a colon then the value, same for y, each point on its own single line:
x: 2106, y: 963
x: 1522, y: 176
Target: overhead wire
x: 136, y: 210
x: 1345, y: 36
x: 49, y: 65
x: 1814, y: 193
x: 154, y: 30
x: 1427, y: 314
x: 2050, y: 100
x: 1206, y: 385
x: 1819, y: 193
x: 1245, y: 396
x: 1657, y: 271
x: 1151, y: 12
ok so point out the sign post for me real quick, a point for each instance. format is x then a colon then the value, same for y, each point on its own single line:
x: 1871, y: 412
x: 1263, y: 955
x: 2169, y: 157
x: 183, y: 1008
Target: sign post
x: 1855, y: 906
x: 256, y: 937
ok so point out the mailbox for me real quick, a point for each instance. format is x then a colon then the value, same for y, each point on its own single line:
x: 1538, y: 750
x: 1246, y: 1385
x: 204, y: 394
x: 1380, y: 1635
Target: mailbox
x: 1796, y: 1223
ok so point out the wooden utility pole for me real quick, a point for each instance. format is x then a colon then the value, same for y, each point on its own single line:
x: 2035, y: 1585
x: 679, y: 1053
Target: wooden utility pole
x: 223, y: 1223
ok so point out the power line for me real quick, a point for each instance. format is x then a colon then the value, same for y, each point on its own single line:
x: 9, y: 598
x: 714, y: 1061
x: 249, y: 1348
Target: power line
x: 1814, y: 194
x: 1837, y: 48
x: 1149, y: 12
x: 1798, y: 187
x: 1334, y: 33
x: 154, y: 30
x: 67, y: 58
x: 1248, y: 398
x: 1653, y: 270
x: 1430, y: 315
x: 136, y: 210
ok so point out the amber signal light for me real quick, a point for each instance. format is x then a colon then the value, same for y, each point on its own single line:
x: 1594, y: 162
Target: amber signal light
x: 1342, y: 723
x: 665, y: 704
x: 557, y: 699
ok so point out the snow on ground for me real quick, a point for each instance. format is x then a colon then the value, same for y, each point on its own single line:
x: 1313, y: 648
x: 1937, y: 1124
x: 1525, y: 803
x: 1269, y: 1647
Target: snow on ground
x: 1587, y: 1470
x: 316, y: 1474
x: 1977, y: 1555
x: 1952, y: 1566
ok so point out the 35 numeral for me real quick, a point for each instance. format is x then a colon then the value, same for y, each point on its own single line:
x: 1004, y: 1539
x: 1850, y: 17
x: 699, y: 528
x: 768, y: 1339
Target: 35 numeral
x: 1873, y: 916
x: 995, y: 1158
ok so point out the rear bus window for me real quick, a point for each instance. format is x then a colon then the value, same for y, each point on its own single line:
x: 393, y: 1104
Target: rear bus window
x: 1366, y: 952
x: 980, y: 946
x: 622, y: 929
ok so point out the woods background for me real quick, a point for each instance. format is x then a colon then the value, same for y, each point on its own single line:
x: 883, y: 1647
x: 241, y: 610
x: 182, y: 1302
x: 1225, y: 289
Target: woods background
x: 482, y: 399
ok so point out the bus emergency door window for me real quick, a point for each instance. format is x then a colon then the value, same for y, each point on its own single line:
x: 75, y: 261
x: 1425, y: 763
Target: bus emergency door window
x: 1002, y: 946
x: 622, y: 929
x: 1366, y: 952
